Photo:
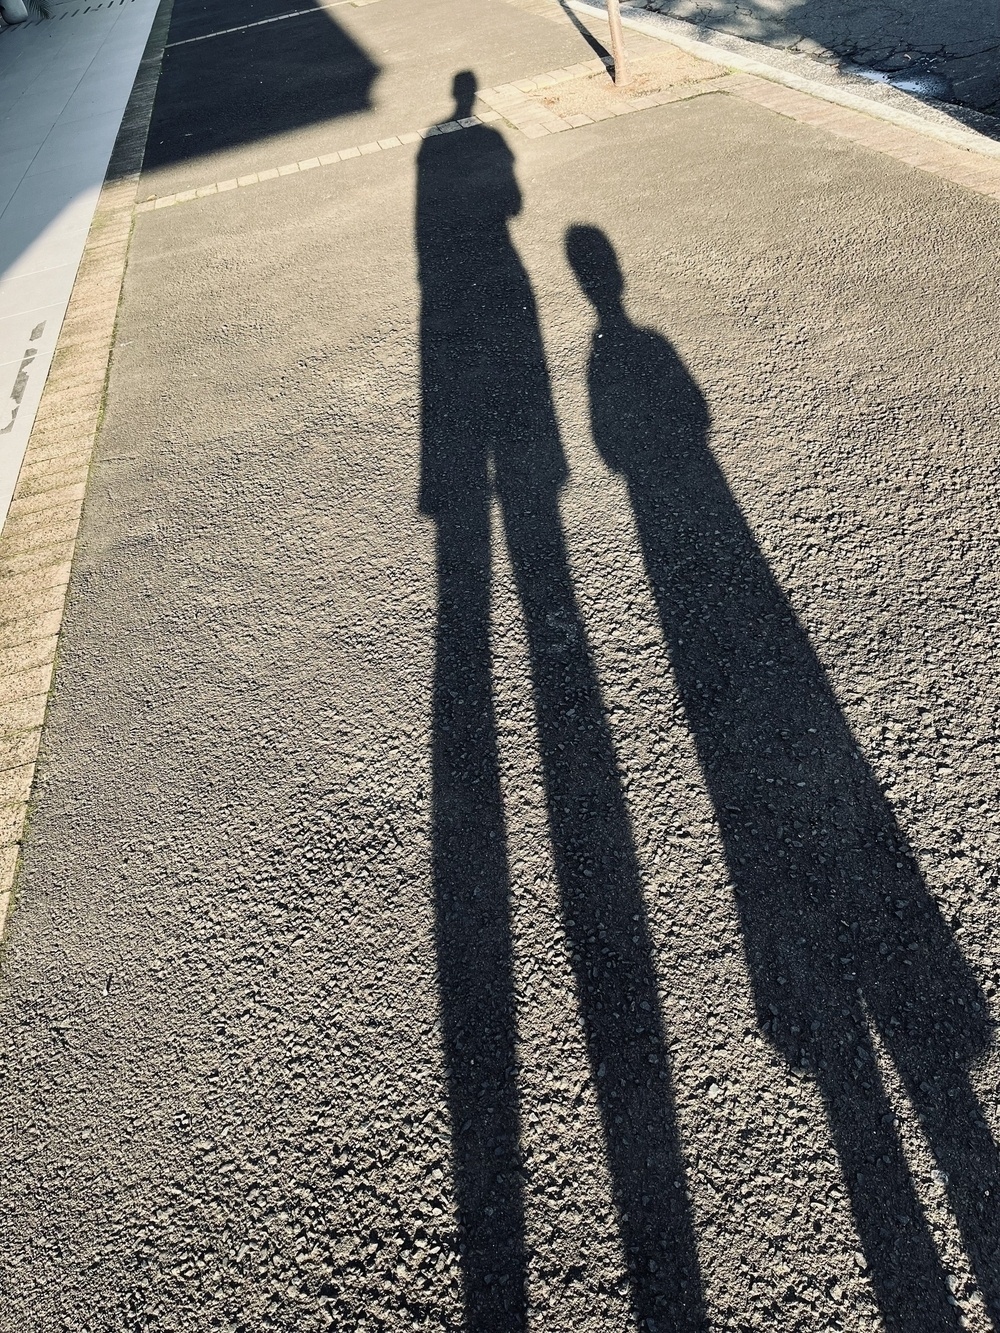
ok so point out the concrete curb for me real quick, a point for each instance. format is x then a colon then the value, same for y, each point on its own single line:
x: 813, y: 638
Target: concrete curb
x: 38, y: 539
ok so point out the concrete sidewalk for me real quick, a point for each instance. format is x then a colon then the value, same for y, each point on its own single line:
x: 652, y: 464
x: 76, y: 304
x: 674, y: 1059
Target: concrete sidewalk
x: 515, y: 833
x: 64, y: 84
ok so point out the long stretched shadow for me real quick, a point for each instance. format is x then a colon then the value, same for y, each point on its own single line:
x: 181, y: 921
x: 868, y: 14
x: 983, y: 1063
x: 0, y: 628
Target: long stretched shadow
x: 489, y: 430
x: 236, y: 72
x: 842, y: 936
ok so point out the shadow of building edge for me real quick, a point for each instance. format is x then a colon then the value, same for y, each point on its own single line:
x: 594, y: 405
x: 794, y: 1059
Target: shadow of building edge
x: 839, y: 928
x: 489, y: 431
x: 254, y: 83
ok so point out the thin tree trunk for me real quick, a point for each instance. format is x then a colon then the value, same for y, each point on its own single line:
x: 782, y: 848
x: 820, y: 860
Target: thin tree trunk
x: 617, y: 42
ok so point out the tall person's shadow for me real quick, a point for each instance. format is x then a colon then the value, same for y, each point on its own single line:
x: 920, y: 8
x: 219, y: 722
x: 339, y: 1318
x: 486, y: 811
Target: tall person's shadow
x: 489, y: 431
x: 842, y: 936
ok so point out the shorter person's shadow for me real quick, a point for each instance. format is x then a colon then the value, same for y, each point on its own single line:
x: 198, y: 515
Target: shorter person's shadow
x: 842, y: 937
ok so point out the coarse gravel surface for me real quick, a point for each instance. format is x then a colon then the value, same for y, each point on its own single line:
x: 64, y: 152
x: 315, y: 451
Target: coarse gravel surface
x: 516, y: 840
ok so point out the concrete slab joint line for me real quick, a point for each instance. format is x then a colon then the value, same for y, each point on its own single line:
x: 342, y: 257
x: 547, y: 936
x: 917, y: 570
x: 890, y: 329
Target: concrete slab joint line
x: 39, y: 533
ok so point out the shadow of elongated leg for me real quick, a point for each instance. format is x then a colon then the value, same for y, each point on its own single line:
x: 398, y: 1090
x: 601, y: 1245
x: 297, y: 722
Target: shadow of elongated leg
x: 965, y: 1151
x: 904, y: 1267
x: 472, y: 888
x: 607, y: 927
x: 806, y: 835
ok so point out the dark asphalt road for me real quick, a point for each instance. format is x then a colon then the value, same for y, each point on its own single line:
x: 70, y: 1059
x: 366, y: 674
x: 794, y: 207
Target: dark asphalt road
x: 956, y: 40
x: 517, y: 833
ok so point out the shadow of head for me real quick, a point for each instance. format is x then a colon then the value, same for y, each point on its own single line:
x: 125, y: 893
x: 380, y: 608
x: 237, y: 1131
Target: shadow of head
x: 644, y: 403
x: 592, y: 258
x: 466, y: 192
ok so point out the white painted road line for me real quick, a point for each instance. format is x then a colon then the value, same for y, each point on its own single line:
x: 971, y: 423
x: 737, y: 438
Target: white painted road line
x: 278, y: 18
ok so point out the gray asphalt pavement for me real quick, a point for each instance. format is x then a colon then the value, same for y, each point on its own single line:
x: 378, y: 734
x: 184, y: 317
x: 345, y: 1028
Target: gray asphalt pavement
x: 516, y: 839
x: 956, y: 41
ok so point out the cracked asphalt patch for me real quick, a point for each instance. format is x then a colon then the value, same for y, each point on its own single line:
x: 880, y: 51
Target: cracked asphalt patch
x: 953, y: 39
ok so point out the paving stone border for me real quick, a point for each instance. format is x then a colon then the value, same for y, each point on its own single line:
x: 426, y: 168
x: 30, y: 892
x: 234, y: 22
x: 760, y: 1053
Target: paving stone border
x: 519, y: 107
x: 958, y: 165
x: 511, y: 102
x: 39, y: 535
x: 310, y: 163
x: 515, y: 104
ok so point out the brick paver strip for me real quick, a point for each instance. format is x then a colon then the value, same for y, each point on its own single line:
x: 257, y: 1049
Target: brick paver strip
x: 39, y: 534
x: 958, y: 165
x: 516, y: 104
